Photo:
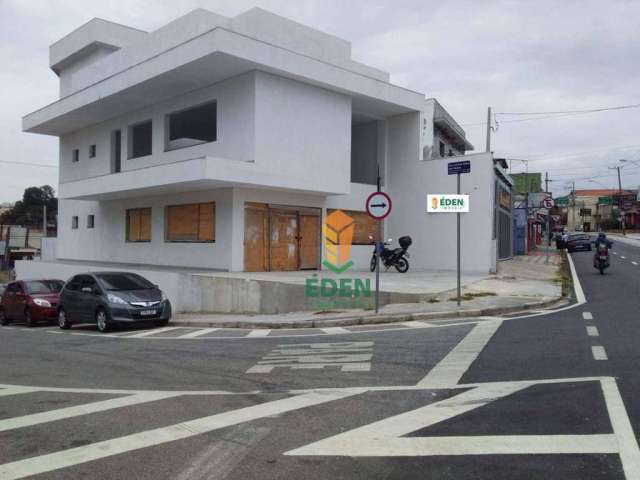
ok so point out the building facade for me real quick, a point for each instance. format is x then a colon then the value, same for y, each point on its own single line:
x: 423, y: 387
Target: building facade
x: 222, y: 143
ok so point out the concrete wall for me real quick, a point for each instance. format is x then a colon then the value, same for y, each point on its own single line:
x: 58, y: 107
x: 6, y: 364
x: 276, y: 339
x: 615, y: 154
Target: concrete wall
x: 302, y: 132
x: 107, y: 241
x: 410, y: 180
x: 235, y: 132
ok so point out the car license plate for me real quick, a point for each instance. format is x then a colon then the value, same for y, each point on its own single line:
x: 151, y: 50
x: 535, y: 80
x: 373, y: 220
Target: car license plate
x: 147, y: 313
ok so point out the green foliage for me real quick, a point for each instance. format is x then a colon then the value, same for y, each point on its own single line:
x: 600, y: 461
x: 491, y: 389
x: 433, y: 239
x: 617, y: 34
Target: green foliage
x: 28, y: 211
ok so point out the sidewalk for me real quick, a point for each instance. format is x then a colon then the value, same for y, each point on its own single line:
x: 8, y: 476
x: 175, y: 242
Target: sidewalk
x: 521, y: 283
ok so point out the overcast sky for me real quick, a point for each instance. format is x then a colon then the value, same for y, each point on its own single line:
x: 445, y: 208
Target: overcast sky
x: 517, y: 56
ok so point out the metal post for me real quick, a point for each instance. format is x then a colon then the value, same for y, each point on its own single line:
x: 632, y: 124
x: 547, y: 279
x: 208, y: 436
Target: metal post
x: 621, y: 209
x: 546, y: 189
x: 44, y: 221
x: 458, y: 245
x: 378, y: 252
x: 7, y: 238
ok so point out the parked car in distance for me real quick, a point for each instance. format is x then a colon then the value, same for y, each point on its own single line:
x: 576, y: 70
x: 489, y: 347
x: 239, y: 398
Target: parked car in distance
x: 30, y: 301
x: 110, y: 298
x: 578, y: 242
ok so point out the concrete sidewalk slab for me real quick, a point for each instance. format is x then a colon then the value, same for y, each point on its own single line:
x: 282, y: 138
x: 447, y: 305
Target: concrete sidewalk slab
x: 517, y: 286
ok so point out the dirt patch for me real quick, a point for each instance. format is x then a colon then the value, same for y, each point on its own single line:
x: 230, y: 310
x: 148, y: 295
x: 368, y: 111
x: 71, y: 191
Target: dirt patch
x: 470, y: 296
x: 564, y: 277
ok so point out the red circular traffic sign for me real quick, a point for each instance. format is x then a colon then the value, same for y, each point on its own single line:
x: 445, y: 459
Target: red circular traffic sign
x: 378, y: 205
x: 548, y: 202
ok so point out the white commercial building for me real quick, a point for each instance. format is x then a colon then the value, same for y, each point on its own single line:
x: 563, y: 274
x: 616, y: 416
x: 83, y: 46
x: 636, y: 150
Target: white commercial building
x: 221, y: 143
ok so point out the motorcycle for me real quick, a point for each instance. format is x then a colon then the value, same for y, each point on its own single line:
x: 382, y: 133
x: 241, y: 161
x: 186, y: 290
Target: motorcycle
x: 396, y: 257
x: 601, y: 259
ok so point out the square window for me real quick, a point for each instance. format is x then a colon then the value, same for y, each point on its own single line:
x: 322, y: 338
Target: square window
x: 191, y: 223
x: 191, y: 127
x: 138, y: 225
x: 74, y: 222
x: 140, y: 139
x: 91, y: 219
x: 92, y: 151
x: 75, y: 155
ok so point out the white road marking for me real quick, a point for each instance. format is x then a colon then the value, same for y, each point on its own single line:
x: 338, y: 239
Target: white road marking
x: 198, y: 333
x: 615, y: 253
x: 259, y: 333
x: 154, y: 331
x: 11, y: 390
x: 599, y: 352
x: 349, y: 356
x: 78, y: 410
x: 577, y: 287
x: 635, y: 263
x: 622, y: 429
x: 416, y: 324
x: 450, y: 369
x: 592, y: 331
x: 332, y: 330
x: 158, y: 436
x: 386, y: 438
x: 587, y: 315
x: 623, y: 257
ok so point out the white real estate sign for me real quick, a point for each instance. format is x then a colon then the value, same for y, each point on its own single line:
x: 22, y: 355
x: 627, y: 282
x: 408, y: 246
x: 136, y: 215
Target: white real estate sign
x: 446, y: 203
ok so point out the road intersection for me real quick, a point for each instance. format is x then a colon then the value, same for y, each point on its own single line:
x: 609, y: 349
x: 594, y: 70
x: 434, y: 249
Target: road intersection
x: 546, y: 395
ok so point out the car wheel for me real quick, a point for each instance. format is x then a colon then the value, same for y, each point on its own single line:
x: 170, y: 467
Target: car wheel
x: 28, y: 319
x: 63, y: 320
x: 4, y: 320
x: 102, y: 321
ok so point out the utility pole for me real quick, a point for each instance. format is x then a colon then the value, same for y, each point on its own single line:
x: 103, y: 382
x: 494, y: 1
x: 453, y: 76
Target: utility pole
x: 44, y: 221
x: 622, y: 219
x: 488, y: 129
x: 573, y: 202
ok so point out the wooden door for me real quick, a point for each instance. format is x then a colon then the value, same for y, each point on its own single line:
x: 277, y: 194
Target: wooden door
x: 283, y: 249
x: 309, y: 242
x: 256, y: 238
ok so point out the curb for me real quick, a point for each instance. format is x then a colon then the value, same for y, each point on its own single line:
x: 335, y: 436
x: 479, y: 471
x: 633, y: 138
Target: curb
x: 374, y: 319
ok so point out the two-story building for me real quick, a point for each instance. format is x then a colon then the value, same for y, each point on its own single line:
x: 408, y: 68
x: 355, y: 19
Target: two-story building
x: 222, y: 143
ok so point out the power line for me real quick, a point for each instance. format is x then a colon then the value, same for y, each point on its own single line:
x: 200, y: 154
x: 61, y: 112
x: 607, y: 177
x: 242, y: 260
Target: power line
x: 590, y: 110
x: 29, y: 164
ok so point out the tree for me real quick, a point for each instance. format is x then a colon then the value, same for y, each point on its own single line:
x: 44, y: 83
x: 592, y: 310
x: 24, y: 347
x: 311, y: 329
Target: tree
x: 28, y: 211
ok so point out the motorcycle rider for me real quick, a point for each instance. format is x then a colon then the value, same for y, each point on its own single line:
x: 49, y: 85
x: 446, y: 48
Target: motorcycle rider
x: 602, y: 239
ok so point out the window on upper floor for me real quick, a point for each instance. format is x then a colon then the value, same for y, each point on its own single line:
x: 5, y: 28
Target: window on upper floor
x: 92, y: 151
x: 74, y: 222
x: 91, y: 221
x: 75, y: 155
x: 139, y: 225
x: 195, y: 222
x: 192, y: 126
x: 442, y: 149
x: 140, y: 139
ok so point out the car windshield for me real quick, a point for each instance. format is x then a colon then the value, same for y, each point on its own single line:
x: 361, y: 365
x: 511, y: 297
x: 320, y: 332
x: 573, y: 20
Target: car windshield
x: 43, y: 287
x: 123, y: 281
x: 579, y: 237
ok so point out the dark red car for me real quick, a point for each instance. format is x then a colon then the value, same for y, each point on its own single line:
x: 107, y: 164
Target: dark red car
x: 30, y: 301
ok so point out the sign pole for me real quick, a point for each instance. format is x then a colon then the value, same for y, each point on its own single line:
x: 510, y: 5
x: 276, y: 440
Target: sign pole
x: 546, y: 260
x: 378, y: 252
x: 458, y: 246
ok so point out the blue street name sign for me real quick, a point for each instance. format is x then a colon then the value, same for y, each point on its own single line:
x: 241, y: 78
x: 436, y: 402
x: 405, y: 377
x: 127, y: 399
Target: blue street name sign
x: 459, y: 167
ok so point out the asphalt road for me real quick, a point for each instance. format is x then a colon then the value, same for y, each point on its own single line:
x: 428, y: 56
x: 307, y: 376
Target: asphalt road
x: 538, y: 397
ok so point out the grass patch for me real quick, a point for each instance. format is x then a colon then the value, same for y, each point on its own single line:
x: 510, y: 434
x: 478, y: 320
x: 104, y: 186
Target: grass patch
x: 470, y: 296
x: 563, y: 276
x: 4, y: 276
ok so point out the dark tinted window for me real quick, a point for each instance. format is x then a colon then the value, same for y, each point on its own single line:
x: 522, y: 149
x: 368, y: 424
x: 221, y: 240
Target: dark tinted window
x: 123, y: 281
x: 140, y: 140
x: 2, y: 288
x: 12, y: 288
x: 193, y: 126
x: 44, y: 286
x: 74, y: 283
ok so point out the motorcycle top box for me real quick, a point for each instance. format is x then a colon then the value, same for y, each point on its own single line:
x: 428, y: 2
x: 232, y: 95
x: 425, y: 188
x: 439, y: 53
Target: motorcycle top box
x: 405, y: 242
